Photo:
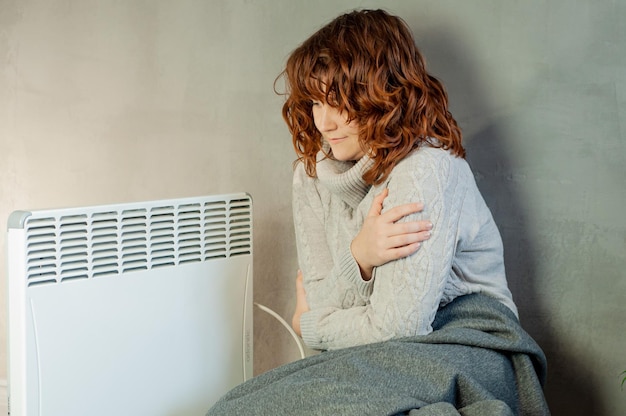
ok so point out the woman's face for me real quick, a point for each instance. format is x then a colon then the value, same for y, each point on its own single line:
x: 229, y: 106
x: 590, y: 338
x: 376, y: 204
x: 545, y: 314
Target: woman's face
x: 343, y: 137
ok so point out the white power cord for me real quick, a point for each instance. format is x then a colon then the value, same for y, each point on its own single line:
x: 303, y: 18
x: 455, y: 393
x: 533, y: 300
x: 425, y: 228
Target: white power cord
x: 286, y: 325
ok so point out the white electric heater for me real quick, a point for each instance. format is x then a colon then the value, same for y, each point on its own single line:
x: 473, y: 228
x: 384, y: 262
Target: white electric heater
x: 140, y: 309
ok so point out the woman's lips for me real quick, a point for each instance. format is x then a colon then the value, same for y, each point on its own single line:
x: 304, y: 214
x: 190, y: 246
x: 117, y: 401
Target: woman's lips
x: 335, y: 139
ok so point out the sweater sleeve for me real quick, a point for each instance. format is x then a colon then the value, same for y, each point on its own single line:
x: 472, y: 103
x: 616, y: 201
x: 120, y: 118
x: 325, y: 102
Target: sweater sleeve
x: 407, y: 291
x: 334, y: 283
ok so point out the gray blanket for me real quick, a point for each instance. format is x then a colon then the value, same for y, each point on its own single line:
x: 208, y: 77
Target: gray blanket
x: 478, y: 361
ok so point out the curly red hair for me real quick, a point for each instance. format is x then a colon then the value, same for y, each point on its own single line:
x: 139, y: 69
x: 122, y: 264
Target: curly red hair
x: 366, y: 64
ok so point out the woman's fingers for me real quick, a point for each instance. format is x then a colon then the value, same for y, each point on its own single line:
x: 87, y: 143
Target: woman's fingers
x: 301, y: 304
x: 403, y: 251
x: 406, y: 239
x: 300, y: 292
x: 383, y: 237
x: 414, y: 227
x: 401, y: 211
x: 377, y: 203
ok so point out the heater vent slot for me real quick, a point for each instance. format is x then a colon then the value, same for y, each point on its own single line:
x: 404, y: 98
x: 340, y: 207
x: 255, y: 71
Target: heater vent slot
x: 111, y: 240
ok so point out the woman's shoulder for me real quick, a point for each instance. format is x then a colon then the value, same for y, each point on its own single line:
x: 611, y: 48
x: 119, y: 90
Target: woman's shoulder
x: 300, y: 176
x: 432, y: 159
x: 298, y: 170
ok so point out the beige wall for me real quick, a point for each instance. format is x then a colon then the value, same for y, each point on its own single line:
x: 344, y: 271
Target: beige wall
x: 114, y: 101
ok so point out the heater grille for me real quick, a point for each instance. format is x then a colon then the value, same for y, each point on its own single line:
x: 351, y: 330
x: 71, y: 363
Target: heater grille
x: 111, y: 240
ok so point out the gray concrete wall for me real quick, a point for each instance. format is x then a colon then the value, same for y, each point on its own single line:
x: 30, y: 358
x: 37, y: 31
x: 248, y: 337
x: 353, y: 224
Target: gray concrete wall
x: 104, y: 101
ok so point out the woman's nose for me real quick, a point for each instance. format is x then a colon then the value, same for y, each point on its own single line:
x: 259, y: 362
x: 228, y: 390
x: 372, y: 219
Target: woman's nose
x: 325, y: 118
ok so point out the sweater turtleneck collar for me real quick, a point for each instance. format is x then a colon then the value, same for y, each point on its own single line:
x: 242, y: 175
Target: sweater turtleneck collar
x: 344, y: 179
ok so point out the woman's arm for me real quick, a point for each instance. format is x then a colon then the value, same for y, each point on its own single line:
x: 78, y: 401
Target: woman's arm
x: 343, y: 283
x: 383, y: 237
x: 407, y: 291
x: 329, y: 283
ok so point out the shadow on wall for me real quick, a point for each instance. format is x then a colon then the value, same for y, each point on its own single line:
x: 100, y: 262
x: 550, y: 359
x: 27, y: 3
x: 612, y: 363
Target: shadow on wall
x: 570, y: 388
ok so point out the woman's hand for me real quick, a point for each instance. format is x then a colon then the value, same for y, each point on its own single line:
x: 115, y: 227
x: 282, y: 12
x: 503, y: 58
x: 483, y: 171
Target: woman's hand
x: 383, y: 239
x: 301, y: 304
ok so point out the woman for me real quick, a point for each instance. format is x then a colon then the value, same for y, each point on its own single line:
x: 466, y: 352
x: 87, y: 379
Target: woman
x: 367, y: 119
x: 408, y: 320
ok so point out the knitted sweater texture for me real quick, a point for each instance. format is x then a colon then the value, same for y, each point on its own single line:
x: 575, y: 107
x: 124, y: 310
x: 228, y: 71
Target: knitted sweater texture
x: 464, y: 254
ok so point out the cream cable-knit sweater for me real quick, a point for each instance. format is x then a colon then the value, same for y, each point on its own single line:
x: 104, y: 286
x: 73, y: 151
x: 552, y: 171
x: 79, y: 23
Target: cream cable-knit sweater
x: 464, y: 254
